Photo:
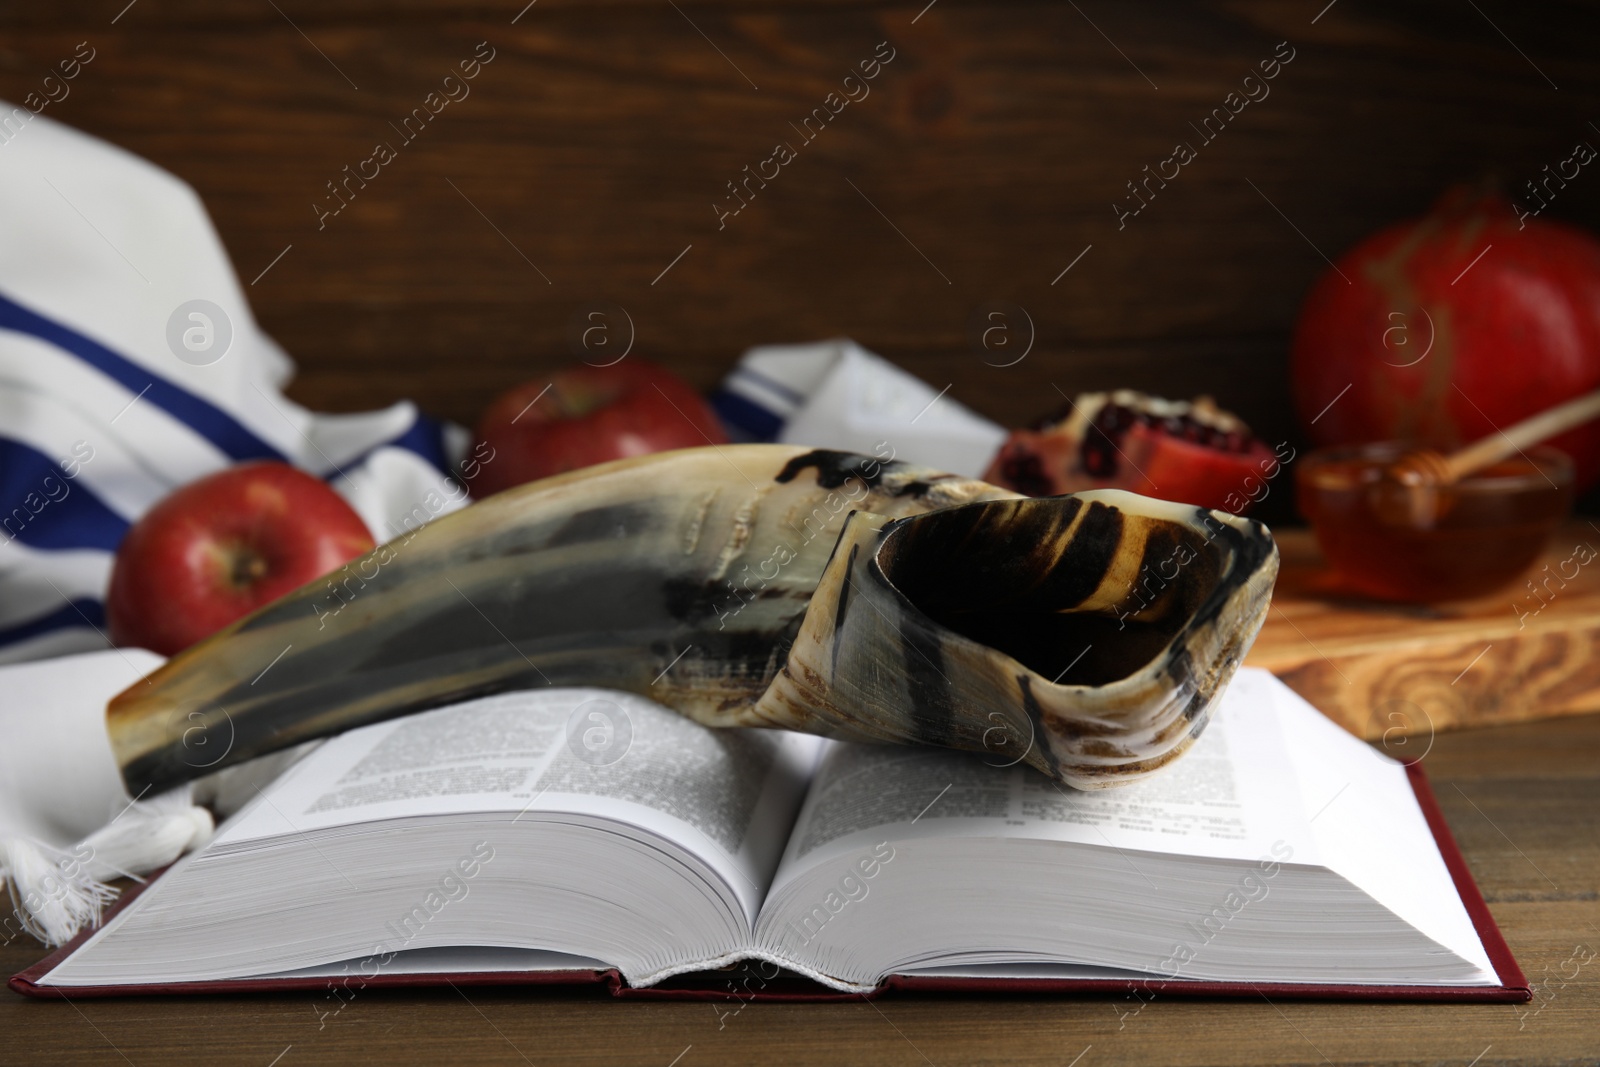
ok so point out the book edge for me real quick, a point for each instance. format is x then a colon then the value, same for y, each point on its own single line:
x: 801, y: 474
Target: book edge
x: 1494, y: 943
x: 1513, y: 987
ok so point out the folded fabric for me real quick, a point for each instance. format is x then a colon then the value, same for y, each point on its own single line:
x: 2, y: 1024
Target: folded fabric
x: 836, y: 394
x: 66, y: 823
x: 130, y: 364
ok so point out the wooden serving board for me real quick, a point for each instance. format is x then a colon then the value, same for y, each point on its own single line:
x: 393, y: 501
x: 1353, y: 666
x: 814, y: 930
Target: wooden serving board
x: 1388, y: 671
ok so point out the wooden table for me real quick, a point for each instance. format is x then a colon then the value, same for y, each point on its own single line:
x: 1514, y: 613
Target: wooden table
x: 1393, y: 670
x: 1521, y: 800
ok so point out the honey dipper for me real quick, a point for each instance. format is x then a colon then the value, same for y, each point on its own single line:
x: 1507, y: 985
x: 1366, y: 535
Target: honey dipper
x: 1409, y: 492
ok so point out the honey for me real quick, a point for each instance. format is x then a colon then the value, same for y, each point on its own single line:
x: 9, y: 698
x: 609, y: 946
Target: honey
x: 1467, y: 540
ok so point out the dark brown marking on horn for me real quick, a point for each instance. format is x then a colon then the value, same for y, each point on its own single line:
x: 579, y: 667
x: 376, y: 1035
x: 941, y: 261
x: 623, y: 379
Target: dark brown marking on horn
x: 1076, y: 729
x: 1015, y: 560
x: 1180, y: 668
x: 844, y: 599
x: 1153, y: 588
x: 1133, y: 768
x: 693, y: 600
x: 997, y: 573
x: 748, y: 658
x: 775, y: 592
x: 1003, y: 556
x: 836, y: 468
x: 988, y: 556
x: 1030, y: 707
x: 1105, y: 749
x: 926, y: 684
x: 1248, y: 556
x: 630, y: 519
x: 1088, y: 557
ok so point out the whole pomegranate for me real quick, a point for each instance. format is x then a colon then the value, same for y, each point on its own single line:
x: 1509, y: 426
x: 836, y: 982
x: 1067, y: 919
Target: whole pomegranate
x: 1451, y: 326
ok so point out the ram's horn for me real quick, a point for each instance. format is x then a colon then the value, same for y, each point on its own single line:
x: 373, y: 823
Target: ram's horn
x: 759, y: 585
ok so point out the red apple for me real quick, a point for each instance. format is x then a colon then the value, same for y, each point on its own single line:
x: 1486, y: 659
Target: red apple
x: 588, y: 415
x: 219, y: 548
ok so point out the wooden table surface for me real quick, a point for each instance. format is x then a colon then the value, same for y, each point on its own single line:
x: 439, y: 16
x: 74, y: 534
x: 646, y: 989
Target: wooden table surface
x: 1387, y: 670
x: 1520, y: 799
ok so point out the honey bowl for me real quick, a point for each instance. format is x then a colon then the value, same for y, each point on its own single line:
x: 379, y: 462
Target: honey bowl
x: 1460, y: 541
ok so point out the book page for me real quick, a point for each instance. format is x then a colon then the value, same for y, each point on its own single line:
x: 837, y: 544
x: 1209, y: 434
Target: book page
x: 1231, y: 796
x: 728, y: 796
x: 1370, y: 828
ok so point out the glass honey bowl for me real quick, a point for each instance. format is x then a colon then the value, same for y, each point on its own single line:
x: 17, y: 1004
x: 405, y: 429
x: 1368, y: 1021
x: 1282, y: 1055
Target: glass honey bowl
x: 1462, y: 541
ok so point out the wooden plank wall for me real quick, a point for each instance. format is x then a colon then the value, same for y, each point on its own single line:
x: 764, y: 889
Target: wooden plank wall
x: 986, y: 158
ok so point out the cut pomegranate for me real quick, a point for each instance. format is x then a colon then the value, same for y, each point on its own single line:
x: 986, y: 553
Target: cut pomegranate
x: 1189, y: 452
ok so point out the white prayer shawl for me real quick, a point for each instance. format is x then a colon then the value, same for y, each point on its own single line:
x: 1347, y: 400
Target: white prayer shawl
x: 836, y: 394
x: 112, y: 394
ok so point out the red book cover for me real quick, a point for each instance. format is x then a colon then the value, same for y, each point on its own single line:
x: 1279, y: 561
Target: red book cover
x: 748, y: 982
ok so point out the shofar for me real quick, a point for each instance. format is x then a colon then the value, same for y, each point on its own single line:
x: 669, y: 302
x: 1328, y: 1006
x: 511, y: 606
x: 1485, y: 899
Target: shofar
x: 757, y: 585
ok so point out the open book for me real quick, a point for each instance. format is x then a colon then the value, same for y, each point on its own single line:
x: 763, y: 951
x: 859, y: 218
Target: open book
x: 580, y: 833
